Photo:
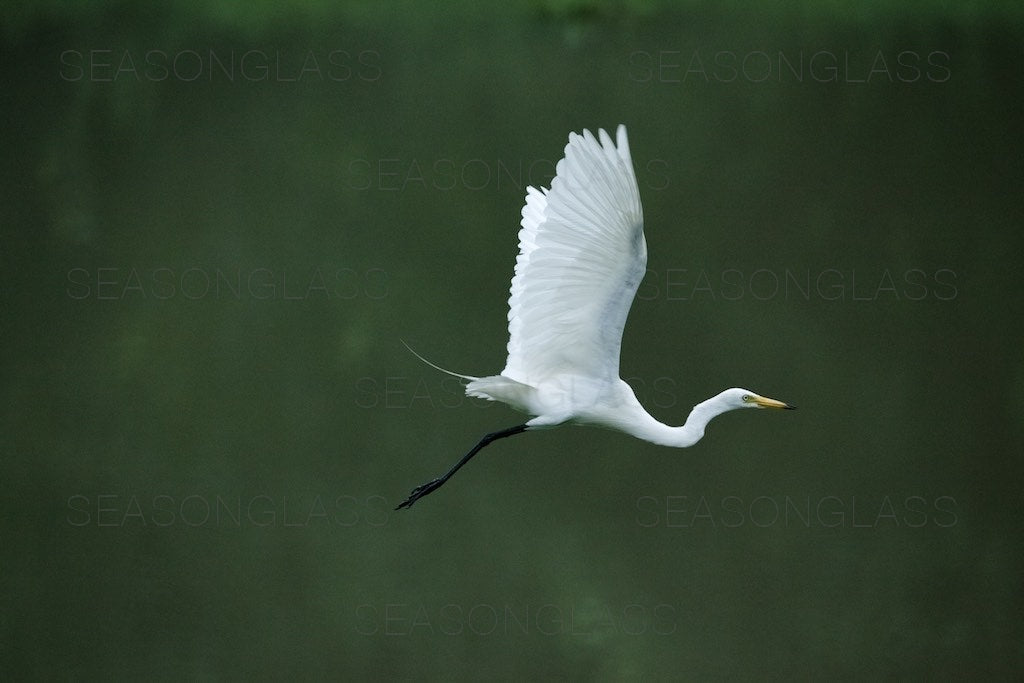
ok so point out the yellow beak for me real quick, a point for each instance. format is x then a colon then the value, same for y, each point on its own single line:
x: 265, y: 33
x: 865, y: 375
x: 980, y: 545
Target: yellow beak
x: 763, y: 402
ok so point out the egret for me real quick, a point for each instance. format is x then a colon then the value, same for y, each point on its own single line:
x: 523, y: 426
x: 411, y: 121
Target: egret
x: 582, y: 254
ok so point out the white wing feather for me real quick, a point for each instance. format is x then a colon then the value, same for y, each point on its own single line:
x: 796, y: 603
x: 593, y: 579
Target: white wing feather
x: 582, y: 255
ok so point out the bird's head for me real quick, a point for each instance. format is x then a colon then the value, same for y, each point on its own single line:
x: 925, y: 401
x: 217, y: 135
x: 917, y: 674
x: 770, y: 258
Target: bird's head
x: 745, y: 398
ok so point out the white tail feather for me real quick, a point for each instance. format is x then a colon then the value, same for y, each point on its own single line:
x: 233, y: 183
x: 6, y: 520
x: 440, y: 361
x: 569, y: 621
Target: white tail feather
x: 438, y: 367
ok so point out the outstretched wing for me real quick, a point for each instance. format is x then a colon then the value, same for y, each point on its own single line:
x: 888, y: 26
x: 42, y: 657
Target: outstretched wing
x: 582, y: 255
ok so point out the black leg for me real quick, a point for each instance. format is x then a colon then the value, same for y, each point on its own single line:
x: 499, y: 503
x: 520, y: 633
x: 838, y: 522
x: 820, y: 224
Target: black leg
x: 435, y: 484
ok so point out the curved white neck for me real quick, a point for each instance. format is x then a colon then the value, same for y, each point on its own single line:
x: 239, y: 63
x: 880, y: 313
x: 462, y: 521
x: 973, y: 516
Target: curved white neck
x: 645, y: 427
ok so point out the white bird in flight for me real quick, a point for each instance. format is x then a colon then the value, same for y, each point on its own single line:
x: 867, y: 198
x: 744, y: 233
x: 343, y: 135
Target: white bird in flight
x: 582, y: 254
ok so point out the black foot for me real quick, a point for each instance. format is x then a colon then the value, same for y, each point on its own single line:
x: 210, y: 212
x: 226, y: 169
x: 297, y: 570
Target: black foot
x: 432, y: 486
x: 421, y: 491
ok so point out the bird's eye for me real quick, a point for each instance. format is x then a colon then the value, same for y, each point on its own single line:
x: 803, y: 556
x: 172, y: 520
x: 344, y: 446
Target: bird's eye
x: 747, y: 398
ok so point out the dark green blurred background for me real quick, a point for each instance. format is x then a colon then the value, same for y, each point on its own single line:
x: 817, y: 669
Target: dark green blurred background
x: 219, y: 223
